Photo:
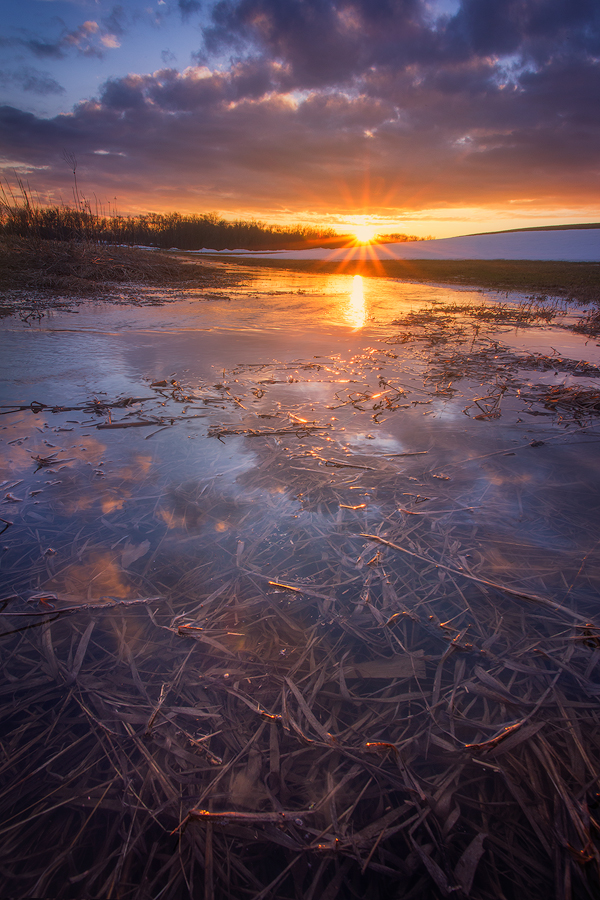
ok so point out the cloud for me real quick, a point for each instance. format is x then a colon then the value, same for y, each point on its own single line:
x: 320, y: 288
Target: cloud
x: 88, y: 39
x: 82, y: 39
x: 110, y: 41
x: 41, y: 49
x: 335, y: 104
x: 325, y: 42
x: 115, y: 22
x: 30, y: 79
x: 188, y: 8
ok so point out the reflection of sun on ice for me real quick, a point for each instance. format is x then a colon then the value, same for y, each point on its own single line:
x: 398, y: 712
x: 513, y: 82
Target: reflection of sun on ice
x: 356, y: 313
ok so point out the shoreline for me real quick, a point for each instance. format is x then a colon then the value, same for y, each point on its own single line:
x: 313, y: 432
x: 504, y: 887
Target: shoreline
x: 86, y: 270
x: 37, y: 275
x: 579, y: 281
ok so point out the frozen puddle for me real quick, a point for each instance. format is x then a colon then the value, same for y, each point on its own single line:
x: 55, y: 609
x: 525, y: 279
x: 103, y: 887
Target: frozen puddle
x: 312, y: 568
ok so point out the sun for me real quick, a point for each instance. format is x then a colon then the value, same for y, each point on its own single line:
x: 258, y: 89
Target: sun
x: 364, y: 234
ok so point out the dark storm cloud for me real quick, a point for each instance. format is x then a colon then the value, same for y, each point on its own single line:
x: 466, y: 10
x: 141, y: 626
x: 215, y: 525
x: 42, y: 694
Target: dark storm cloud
x: 319, y: 98
x: 305, y: 35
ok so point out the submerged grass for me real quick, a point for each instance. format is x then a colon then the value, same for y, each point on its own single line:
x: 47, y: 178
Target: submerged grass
x: 339, y: 682
x: 352, y: 675
x: 307, y: 712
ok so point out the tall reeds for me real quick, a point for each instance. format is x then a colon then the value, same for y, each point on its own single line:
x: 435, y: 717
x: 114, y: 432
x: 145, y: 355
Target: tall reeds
x: 21, y: 215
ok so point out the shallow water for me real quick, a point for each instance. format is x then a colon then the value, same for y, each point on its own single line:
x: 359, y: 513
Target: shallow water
x: 284, y: 349
x: 280, y: 425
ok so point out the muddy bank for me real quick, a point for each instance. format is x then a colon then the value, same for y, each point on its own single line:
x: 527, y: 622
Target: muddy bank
x: 43, y: 274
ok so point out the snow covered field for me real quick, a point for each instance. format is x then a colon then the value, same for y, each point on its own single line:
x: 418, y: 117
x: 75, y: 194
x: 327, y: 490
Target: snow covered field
x: 569, y: 245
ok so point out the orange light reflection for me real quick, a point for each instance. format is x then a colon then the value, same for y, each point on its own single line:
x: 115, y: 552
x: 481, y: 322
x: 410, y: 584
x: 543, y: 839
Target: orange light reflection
x: 355, y: 313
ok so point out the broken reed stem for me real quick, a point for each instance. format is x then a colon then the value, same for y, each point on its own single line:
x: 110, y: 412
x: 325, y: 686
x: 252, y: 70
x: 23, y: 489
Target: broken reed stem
x: 514, y: 592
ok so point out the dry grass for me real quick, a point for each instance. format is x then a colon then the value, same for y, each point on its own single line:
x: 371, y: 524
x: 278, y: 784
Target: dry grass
x: 590, y: 324
x: 86, y: 269
x: 582, y: 404
x: 531, y: 312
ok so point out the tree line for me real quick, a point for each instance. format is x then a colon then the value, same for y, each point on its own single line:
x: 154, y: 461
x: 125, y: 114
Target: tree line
x: 21, y: 216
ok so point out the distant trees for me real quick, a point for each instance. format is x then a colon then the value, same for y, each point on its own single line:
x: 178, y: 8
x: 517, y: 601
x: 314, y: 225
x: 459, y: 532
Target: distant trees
x: 195, y: 232
x: 397, y: 238
x: 21, y: 216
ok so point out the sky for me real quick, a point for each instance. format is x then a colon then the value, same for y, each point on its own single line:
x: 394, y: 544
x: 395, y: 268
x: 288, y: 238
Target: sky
x: 430, y: 117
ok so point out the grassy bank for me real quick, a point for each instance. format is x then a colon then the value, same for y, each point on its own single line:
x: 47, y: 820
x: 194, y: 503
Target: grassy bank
x: 86, y: 269
x: 570, y: 280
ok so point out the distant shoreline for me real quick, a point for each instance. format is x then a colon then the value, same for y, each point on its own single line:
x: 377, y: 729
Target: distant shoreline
x: 558, y: 244
x: 579, y: 281
x: 50, y: 269
x: 577, y: 226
